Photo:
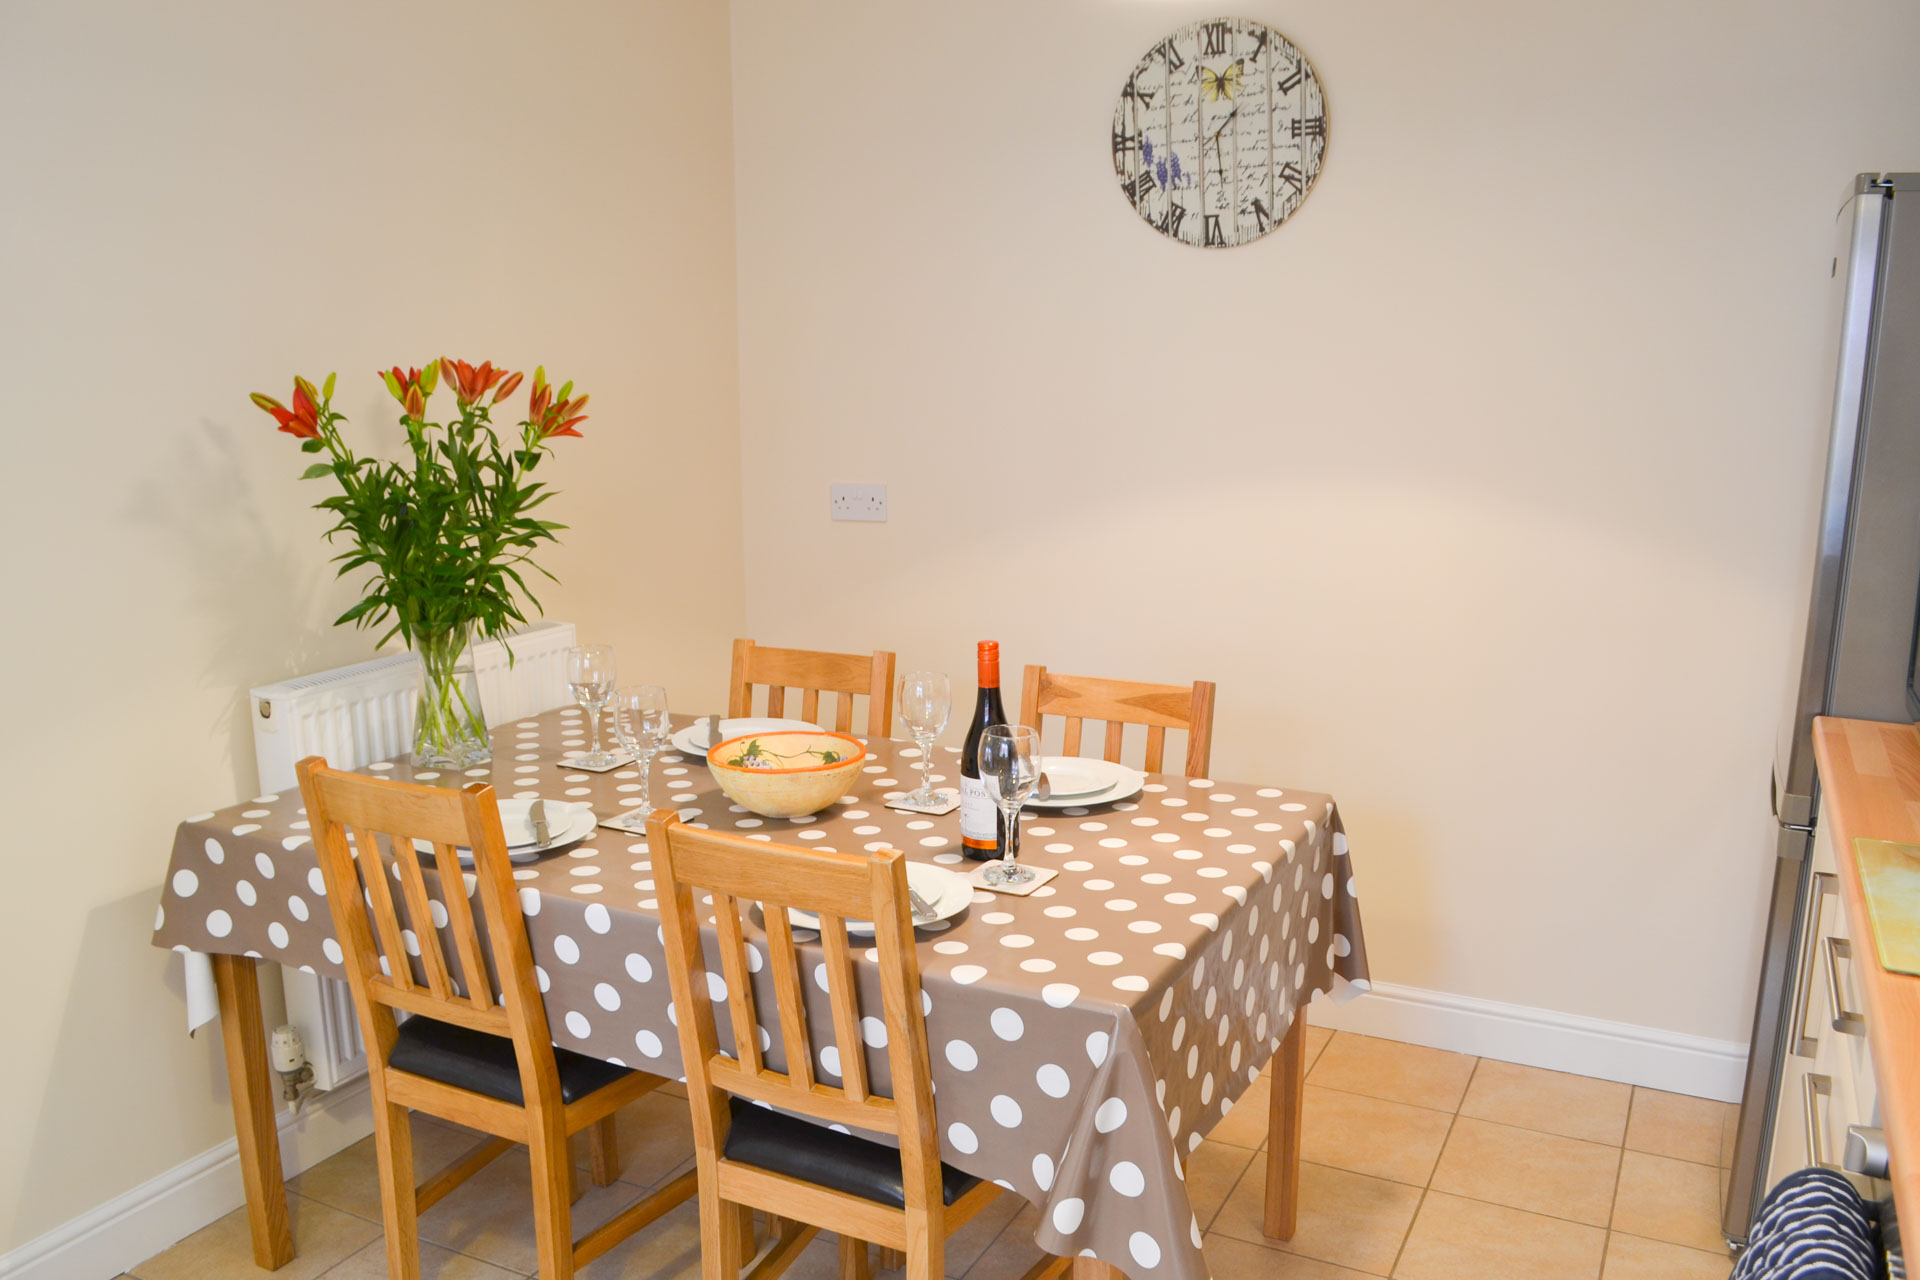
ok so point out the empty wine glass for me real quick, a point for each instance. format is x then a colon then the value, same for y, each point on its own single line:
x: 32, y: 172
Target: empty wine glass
x: 641, y: 723
x: 590, y: 674
x: 1010, y: 766
x: 925, y: 704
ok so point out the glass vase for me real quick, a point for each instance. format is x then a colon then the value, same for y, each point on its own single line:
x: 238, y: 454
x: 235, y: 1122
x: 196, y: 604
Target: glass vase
x: 449, y: 726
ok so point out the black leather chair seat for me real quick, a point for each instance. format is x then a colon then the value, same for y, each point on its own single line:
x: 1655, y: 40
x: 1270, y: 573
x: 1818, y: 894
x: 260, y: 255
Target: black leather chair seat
x: 468, y: 1059
x: 814, y: 1153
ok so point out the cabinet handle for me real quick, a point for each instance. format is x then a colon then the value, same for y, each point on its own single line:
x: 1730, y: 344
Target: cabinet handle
x: 1811, y: 1087
x: 1803, y: 990
x: 1845, y: 1020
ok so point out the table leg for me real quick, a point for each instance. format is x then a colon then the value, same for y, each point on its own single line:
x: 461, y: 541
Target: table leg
x: 237, y: 981
x: 1283, y: 1131
x: 1094, y: 1269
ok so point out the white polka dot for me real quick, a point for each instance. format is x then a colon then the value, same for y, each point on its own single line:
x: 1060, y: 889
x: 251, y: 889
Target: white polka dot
x: 277, y: 934
x: 599, y: 919
x: 1105, y: 958
x: 716, y: 988
x: 950, y: 948
x: 968, y: 974
x: 317, y: 882
x: 1007, y: 1024
x: 1059, y: 995
x: 567, y: 949
x: 648, y: 1043
x: 962, y: 1138
x: 577, y: 1025
x: 1067, y: 1215
x: 1006, y: 1112
x: 1143, y: 1247
x: 219, y: 924
x: 1131, y: 982
x: 830, y: 1060
x: 637, y: 967
x: 217, y: 854
x: 962, y: 1055
x: 1097, y: 1044
x: 297, y: 907
x: 1111, y: 1115
x: 874, y: 1032
x: 243, y: 890
x: 1053, y: 1080
x: 265, y: 864
x: 606, y: 997
x: 333, y: 952
x: 185, y: 883
x: 530, y: 902
x: 1127, y: 1179
x: 1043, y: 1171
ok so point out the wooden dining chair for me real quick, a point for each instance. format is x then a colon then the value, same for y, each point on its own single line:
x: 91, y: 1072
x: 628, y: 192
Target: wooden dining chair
x: 814, y: 673
x: 808, y: 1177
x: 460, y: 1056
x: 1119, y: 703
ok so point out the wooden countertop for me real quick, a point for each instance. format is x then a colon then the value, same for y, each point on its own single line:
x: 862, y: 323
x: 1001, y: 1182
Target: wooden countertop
x: 1870, y: 784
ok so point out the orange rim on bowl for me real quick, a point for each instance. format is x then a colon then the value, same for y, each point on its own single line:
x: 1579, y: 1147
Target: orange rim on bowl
x: 857, y: 751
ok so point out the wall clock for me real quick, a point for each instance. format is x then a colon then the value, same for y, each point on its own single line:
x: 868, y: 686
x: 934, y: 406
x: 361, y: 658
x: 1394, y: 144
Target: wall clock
x: 1219, y: 133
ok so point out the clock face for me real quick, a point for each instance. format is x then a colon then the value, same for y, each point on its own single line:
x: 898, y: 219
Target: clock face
x: 1219, y: 133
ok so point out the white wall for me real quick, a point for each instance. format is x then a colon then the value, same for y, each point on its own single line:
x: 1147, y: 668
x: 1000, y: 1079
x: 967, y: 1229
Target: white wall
x: 201, y: 199
x: 1482, y: 487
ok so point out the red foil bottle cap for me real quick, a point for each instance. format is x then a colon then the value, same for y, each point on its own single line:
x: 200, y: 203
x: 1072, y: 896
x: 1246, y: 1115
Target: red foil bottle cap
x: 989, y: 664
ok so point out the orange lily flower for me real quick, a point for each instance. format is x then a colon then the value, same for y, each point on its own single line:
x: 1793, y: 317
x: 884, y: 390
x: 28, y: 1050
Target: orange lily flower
x: 303, y: 420
x: 469, y: 383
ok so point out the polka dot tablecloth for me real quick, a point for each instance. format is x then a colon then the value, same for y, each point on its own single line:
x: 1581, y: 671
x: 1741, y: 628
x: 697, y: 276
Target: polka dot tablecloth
x: 1083, y: 1038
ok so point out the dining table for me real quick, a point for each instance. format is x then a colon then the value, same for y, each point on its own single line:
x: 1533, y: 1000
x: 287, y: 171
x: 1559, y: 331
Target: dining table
x: 1084, y: 1038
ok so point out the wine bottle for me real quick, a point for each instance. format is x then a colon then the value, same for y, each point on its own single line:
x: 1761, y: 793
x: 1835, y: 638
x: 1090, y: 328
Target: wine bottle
x: 982, y: 831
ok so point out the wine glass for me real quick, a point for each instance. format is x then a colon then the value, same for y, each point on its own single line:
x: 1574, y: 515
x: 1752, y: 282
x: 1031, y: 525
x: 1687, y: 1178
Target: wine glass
x: 1010, y: 766
x: 590, y: 674
x: 640, y: 722
x: 925, y: 704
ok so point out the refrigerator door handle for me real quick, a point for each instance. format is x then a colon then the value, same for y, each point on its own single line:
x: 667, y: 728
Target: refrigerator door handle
x: 1806, y: 1046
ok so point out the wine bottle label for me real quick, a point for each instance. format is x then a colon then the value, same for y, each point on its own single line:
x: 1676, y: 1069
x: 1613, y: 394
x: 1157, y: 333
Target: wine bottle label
x: 977, y: 814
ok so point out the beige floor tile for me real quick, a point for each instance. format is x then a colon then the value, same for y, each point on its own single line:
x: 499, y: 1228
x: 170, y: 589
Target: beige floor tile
x: 668, y: 1248
x: 1672, y: 1200
x: 656, y: 1139
x: 1230, y: 1259
x: 491, y: 1216
x: 1631, y: 1258
x: 435, y: 1264
x: 1213, y: 1170
x: 1246, y: 1125
x: 1398, y: 1072
x: 1674, y: 1125
x: 223, y: 1250
x: 1347, y: 1219
x: 350, y: 1179
x: 1317, y: 1038
x: 965, y: 1246
x: 1549, y: 1101
x: 1371, y: 1135
x: 1459, y: 1239
x: 1522, y: 1169
x: 1729, y: 1132
x: 1008, y: 1257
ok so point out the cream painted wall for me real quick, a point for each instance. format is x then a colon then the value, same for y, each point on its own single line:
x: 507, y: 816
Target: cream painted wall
x: 199, y: 200
x: 1483, y: 487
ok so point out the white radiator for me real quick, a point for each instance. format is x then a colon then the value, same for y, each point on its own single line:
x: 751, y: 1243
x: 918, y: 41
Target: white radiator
x: 362, y: 713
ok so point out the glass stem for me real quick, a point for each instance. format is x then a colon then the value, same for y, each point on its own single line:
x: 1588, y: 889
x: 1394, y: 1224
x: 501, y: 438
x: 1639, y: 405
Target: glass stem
x: 925, y: 743
x: 593, y: 718
x: 646, y: 784
x: 1013, y: 836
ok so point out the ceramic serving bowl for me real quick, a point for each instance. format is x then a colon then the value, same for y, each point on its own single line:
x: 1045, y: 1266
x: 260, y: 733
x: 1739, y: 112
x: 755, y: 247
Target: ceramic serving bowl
x: 789, y: 773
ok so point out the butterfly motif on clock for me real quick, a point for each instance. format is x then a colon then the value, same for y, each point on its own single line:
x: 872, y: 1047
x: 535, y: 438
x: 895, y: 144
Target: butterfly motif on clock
x: 1221, y: 84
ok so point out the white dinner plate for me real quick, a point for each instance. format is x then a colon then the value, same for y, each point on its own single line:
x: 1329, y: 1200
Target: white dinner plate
x: 692, y: 740
x: 947, y: 892
x: 1076, y: 775
x: 567, y: 822
x: 1113, y: 782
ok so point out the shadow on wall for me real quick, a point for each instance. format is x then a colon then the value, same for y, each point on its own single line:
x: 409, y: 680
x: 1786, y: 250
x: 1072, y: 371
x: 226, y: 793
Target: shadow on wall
x: 264, y: 601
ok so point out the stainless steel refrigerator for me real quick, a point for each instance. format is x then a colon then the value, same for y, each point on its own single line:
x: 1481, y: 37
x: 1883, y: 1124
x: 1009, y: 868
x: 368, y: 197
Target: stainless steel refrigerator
x: 1860, y: 640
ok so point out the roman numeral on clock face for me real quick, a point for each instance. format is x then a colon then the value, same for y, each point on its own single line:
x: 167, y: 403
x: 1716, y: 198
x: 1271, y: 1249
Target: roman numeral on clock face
x: 1214, y: 235
x: 1214, y: 37
x: 1290, y: 82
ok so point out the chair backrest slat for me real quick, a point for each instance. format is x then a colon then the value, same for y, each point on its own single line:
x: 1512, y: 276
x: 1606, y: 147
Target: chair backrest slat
x: 413, y: 887
x: 466, y: 939
x: 841, y: 994
x: 814, y: 672
x: 386, y: 922
x: 739, y: 976
x: 790, y: 996
x: 1157, y: 707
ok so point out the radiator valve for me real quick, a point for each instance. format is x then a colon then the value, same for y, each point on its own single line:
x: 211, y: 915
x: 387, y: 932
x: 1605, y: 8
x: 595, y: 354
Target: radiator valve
x: 289, y: 1056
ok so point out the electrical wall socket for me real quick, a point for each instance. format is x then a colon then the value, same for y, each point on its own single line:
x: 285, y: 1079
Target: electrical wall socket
x: 859, y: 502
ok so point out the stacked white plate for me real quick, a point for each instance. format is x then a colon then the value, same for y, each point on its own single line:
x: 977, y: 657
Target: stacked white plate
x: 566, y: 823
x: 1078, y: 781
x: 692, y: 740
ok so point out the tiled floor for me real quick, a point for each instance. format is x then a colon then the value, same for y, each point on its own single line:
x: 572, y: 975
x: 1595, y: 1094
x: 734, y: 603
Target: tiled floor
x: 1417, y: 1164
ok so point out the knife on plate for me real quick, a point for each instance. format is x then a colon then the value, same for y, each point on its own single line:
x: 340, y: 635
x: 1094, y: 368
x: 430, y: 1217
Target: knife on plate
x: 922, y: 909
x: 537, y: 814
x: 713, y: 732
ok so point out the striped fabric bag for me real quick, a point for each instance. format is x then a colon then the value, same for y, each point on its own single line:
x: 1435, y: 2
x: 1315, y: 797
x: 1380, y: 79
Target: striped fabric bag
x: 1812, y: 1226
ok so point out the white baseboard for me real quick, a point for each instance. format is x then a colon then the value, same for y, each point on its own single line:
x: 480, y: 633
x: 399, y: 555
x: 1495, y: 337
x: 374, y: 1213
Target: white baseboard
x: 135, y: 1225
x: 1533, y: 1037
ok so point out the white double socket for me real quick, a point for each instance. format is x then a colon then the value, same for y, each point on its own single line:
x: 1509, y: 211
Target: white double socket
x: 866, y: 502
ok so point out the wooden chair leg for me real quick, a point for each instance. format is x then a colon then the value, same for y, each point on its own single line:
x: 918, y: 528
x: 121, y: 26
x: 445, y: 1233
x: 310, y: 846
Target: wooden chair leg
x: 893, y: 1260
x: 720, y: 1257
x: 603, y: 1151
x: 853, y: 1259
x: 749, y: 1242
x: 553, y: 1181
x: 393, y: 1145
